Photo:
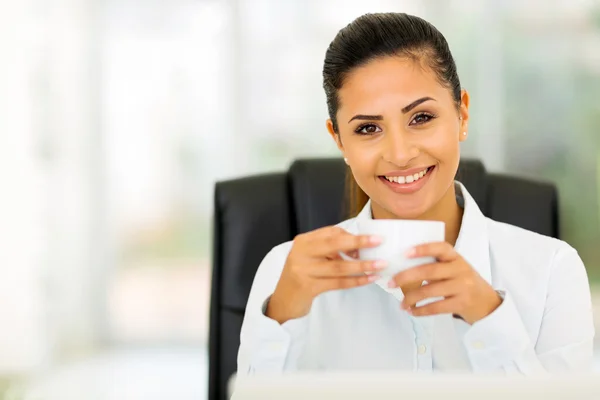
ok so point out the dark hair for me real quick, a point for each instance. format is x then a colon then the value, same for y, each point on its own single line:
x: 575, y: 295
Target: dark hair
x: 373, y: 36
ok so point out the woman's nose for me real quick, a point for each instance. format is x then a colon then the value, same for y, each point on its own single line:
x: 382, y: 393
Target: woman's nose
x: 398, y: 148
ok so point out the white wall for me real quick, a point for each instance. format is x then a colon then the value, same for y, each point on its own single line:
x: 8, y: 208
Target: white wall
x: 22, y: 230
x: 53, y: 232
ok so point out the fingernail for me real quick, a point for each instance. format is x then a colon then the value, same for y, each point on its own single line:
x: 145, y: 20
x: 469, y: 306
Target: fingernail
x: 380, y: 264
x: 392, y: 284
x: 409, y: 311
x: 373, y: 278
x: 375, y: 239
x: 410, y: 252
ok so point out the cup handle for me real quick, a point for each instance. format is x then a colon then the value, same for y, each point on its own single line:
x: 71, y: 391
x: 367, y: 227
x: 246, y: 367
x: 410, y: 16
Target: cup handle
x: 347, y: 257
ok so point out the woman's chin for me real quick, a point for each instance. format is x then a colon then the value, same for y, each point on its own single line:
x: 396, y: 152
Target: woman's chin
x: 403, y: 211
x: 408, y: 214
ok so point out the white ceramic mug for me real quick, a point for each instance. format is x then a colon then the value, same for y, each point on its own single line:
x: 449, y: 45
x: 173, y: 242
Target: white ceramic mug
x: 398, y: 236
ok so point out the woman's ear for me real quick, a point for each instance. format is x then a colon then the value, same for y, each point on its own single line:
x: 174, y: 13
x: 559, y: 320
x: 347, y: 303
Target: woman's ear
x: 334, y: 135
x: 463, y: 113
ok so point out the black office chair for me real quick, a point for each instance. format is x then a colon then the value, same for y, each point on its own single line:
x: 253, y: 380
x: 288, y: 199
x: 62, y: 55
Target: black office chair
x: 254, y: 214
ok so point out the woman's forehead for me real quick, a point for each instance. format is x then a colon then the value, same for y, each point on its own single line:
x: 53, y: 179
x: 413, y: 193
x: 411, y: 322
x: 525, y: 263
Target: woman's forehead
x: 390, y: 79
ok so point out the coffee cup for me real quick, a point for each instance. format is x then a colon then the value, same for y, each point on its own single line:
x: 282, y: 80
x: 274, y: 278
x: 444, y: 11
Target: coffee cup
x: 398, y: 236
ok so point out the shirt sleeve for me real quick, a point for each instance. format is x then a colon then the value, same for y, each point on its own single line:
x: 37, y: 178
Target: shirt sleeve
x: 565, y: 341
x: 266, y: 345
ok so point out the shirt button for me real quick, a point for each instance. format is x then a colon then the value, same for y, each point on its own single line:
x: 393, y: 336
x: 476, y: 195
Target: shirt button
x: 478, y: 345
x: 422, y: 349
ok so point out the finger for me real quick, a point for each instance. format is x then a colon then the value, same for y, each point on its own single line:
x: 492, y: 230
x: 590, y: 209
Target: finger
x: 318, y: 234
x: 442, y: 251
x: 324, y: 233
x: 427, y: 272
x: 347, y: 282
x: 339, y: 240
x: 449, y: 305
x: 341, y: 268
x: 446, y: 288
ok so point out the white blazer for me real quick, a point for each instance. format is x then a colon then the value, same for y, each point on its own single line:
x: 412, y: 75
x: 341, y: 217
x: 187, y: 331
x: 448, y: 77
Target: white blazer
x: 543, y: 325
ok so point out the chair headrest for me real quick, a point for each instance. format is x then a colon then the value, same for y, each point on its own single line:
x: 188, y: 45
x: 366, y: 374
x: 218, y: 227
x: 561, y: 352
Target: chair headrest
x: 311, y: 181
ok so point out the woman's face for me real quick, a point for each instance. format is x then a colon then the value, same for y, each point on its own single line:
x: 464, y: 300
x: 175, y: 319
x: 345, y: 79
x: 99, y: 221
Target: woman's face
x: 396, y: 120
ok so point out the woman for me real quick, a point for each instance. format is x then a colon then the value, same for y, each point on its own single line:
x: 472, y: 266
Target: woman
x: 509, y: 300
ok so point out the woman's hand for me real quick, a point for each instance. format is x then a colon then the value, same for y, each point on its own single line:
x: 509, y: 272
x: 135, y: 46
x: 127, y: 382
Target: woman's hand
x: 314, y: 266
x: 465, y: 292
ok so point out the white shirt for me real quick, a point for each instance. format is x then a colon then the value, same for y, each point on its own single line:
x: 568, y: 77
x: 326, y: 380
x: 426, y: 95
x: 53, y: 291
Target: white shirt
x: 544, y: 323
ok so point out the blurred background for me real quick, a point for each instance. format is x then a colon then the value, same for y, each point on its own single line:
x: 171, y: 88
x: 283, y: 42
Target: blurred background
x: 117, y: 117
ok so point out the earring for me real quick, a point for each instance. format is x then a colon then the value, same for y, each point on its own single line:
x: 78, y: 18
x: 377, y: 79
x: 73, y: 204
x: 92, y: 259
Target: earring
x: 346, y: 161
x: 464, y: 133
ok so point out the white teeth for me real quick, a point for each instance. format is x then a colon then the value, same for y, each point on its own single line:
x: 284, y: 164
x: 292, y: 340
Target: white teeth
x: 407, y: 179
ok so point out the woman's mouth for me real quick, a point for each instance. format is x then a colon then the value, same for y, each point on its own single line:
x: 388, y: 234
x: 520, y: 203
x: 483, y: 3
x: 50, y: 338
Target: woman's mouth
x: 407, y: 183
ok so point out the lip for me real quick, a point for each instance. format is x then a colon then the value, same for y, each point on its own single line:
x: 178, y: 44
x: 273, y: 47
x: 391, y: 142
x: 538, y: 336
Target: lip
x: 407, y: 172
x: 408, y: 188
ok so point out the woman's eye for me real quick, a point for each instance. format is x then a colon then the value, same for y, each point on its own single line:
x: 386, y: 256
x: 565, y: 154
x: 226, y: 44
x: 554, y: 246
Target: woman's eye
x: 367, y: 129
x: 421, y: 119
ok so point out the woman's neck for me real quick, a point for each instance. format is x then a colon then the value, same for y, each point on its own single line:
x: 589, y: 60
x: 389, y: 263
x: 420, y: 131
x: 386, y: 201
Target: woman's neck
x: 446, y: 210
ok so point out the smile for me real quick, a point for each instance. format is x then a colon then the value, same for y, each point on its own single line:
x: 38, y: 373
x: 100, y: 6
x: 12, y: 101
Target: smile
x: 408, y: 178
x: 407, y: 184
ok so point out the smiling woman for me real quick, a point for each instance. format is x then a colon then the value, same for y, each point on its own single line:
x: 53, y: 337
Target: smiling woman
x: 417, y: 127
x: 497, y: 296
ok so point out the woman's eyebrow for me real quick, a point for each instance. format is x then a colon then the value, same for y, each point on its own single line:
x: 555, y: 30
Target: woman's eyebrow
x: 367, y: 117
x: 416, y: 103
x: 404, y: 110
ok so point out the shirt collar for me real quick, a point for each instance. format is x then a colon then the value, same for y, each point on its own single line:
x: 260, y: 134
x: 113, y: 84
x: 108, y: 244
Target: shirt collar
x: 473, y: 240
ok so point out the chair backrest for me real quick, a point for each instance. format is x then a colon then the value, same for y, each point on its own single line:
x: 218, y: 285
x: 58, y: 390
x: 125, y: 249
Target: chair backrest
x: 254, y: 214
